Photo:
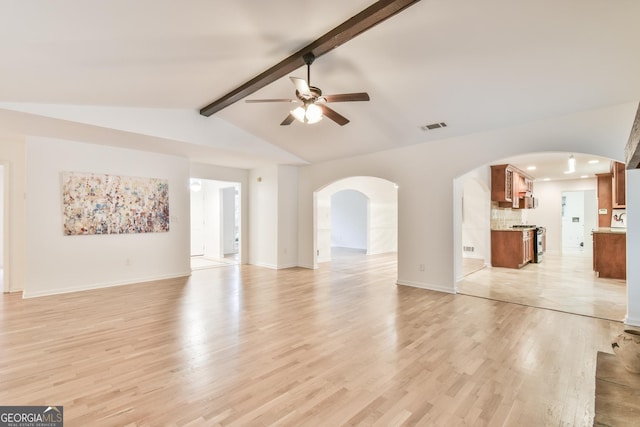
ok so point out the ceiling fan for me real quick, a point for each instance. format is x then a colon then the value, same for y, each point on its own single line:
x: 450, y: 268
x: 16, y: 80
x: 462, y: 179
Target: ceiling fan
x: 314, y: 104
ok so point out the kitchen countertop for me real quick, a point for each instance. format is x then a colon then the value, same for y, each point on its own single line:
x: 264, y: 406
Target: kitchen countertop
x: 611, y: 230
x: 514, y: 229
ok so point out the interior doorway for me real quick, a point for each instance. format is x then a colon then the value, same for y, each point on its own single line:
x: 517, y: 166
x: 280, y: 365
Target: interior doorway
x: 355, y: 216
x: 579, y: 219
x: 215, y: 223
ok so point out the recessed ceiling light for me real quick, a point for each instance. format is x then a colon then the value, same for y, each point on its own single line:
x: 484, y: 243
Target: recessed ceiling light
x: 531, y: 168
x: 546, y: 179
x: 593, y: 162
x: 568, y: 172
x: 584, y: 176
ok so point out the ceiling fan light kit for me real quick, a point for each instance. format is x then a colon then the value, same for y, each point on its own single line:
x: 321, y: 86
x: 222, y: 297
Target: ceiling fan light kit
x: 314, y: 104
x: 310, y: 114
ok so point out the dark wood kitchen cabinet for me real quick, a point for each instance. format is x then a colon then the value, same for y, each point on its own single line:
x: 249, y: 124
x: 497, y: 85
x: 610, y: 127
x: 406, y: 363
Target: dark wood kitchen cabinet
x: 511, y: 248
x: 511, y: 187
x: 618, y: 187
x: 610, y: 254
x: 605, y: 199
x: 502, y: 185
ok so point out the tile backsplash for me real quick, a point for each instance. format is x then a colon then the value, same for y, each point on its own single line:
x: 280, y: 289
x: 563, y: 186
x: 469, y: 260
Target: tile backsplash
x: 502, y: 218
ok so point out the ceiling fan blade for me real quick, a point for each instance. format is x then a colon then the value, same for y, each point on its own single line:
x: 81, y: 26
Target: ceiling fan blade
x: 301, y: 85
x: 269, y: 100
x: 346, y: 97
x: 288, y: 120
x: 336, y: 117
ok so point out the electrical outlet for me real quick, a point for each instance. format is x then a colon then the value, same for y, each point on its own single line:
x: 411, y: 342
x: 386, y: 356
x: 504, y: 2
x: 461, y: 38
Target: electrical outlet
x: 421, y: 267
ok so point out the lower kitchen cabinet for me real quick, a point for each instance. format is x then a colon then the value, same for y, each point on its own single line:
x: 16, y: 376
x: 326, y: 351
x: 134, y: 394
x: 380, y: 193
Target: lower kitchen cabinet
x: 511, y: 248
x: 610, y: 254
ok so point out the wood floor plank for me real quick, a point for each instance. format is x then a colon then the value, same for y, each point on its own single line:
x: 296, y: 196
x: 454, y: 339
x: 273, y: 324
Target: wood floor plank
x: 342, y: 345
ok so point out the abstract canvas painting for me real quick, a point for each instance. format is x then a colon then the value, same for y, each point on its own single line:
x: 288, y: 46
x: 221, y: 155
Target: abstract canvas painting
x: 111, y: 204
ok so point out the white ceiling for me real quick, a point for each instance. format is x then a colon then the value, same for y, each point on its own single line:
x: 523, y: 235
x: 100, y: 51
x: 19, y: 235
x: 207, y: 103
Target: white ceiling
x: 555, y: 166
x: 476, y: 65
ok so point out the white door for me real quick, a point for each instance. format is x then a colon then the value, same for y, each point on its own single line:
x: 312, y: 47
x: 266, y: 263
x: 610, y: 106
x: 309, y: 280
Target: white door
x: 573, y: 220
x: 228, y: 196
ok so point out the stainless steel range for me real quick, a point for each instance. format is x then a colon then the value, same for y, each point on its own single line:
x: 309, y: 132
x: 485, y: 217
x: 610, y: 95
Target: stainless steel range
x: 539, y: 244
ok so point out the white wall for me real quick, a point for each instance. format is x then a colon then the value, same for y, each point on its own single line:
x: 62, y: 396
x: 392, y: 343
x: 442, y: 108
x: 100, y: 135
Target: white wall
x: 2, y: 208
x: 633, y: 249
x: 425, y: 174
x: 274, y: 216
x: 13, y: 158
x: 59, y: 263
x: 349, y: 220
x: 549, y: 211
x: 476, y: 210
x: 263, y: 217
x: 287, y: 243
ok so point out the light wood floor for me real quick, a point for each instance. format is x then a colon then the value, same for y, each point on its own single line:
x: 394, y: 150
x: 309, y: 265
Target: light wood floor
x: 342, y: 345
x: 561, y: 282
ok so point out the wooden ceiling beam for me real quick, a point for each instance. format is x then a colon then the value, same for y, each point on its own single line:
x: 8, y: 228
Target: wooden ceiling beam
x: 632, y: 149
x: 368, y: 18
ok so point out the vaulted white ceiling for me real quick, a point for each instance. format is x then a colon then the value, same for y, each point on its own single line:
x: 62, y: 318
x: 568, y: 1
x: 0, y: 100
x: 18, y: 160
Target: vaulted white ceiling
x: 129, y: 68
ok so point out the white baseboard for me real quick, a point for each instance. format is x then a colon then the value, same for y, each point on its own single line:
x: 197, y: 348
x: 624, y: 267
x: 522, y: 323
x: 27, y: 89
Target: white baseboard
x: 265, y: 265
x: 283, y: 266
x: 309, y: 266
x: 49, y: 292
x: 631, y: 321
x: 428, y: 286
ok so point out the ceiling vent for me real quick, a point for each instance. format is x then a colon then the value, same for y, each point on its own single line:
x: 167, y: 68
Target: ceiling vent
x: 433, y: 126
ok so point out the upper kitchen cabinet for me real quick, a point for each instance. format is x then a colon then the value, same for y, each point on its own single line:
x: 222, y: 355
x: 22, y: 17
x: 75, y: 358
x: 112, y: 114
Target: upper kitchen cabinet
x: 604, y: 199
x: 502, y: 184
x: 511, y: 187
x: 618, y: 185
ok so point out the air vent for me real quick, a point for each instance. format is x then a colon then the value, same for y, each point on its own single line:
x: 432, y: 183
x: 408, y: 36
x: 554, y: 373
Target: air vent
x: 433, y: 126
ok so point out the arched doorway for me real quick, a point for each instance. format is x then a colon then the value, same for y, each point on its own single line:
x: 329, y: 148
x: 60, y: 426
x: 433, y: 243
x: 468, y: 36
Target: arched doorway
x: 357, y: 213
x: 564, y: 280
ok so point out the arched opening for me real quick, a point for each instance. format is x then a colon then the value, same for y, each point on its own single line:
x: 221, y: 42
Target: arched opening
x: 355, y: 215
x: 567, y: 208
